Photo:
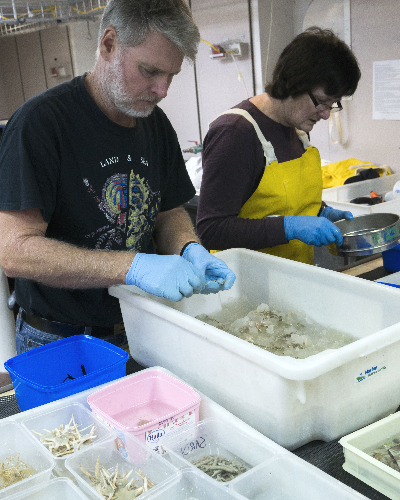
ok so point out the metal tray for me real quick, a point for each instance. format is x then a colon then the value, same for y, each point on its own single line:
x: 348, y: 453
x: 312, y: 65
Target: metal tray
x: 367, y: 234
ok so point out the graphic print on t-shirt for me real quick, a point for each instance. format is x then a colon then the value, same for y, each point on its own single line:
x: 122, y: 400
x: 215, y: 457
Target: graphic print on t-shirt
x: 130, y: 208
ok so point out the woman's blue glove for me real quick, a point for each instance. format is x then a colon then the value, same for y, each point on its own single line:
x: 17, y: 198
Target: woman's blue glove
x: 167, y: 276
x: 334, y: 215
x: 312, y: 230
x: 217, y: 274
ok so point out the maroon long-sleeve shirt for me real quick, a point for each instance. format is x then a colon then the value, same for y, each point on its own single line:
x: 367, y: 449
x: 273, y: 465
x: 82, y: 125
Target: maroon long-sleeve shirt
x: 233, y: 164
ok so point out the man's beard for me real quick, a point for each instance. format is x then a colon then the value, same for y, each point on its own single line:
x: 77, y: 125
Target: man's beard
x: 114, y: 88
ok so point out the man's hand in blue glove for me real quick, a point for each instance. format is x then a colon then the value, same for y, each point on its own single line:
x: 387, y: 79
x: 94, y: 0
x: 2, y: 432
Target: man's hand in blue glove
x: 217, y: 274
x: 168, y: 276
x: 334, y: 215
x: 312, y: 230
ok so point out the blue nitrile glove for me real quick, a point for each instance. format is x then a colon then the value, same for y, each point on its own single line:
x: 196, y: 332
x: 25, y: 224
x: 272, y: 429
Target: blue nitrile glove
x: 312, y: 230
x: 217, y: 274
x: 168, y: 276
x: 334, y: 215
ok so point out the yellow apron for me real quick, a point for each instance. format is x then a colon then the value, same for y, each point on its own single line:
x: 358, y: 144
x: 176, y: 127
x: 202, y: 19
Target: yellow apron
x: 290, y: 188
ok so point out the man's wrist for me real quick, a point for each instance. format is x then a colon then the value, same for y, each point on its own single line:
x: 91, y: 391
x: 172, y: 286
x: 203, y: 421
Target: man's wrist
x: 186, y: 245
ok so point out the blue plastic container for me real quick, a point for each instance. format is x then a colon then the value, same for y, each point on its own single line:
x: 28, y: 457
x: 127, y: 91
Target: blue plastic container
x: 391, y: 259
x: 64, y: 367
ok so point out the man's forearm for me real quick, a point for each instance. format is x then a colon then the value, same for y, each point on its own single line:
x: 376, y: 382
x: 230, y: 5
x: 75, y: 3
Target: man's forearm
x: 173, y: 229
x: 62, y: 265
x: 26, y: 252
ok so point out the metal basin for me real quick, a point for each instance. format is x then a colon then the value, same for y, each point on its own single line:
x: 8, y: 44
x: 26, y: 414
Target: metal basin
x: 367, y: 234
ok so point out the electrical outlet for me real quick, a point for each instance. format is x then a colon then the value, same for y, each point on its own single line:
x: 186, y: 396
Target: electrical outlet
x: 233, y: 48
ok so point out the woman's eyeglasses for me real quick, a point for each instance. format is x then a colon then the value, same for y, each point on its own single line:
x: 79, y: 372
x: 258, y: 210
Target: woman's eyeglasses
x: 336, y: 106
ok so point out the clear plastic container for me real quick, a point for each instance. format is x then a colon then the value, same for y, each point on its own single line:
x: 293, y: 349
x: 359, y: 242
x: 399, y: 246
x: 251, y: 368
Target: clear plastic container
x: 14, y: 439
x: 339, y: 196
x: 287, y: 477
x: 60, y: 488
x: 50, y: 420
x: 189, y: 485
x: 141, y: 458
x: 217, y: 441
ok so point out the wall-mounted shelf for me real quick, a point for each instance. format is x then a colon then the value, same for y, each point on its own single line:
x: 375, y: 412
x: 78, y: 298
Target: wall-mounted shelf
x: 30, y: 15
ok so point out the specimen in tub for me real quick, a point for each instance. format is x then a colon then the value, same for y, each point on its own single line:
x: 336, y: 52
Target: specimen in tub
x: 219, y: 468
x: 114, y: 486
x: 66, y: 438
x: 388, y: 453
x: 13, y: 469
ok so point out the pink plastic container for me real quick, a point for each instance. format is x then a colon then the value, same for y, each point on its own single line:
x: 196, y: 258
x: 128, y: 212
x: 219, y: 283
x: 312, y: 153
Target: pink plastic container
x: 149, y: 405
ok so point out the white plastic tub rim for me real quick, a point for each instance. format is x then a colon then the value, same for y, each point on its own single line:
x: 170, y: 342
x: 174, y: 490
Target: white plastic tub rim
x: 314, y: 482
x: 362, y: 188
x: 366, y: 468
x: 208, y: 483
x: 61, y: 486
x: 285, y: 366
x: 348, y: 442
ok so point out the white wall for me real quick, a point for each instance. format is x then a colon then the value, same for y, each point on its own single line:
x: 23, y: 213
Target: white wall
x: 218, y: 87
x: 83, y: 43
x: 276, y: 28
x: 180, y: 105
x: 374, y: 37
x: 11, y: 91
x: 32, y: 70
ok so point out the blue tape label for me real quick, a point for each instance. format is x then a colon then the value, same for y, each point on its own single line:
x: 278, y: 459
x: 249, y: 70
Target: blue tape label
x: 369, y: 373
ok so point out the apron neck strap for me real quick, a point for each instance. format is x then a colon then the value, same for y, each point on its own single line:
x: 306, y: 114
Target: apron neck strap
x: 268, y: 149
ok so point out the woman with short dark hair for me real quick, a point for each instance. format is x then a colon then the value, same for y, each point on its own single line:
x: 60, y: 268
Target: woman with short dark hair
x: 262, y: 181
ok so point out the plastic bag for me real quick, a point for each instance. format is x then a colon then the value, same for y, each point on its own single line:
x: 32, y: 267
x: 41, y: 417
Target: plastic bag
x: 335, y: 174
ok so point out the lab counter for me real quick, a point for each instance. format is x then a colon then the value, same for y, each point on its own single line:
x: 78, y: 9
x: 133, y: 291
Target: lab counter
x: 326, y: 456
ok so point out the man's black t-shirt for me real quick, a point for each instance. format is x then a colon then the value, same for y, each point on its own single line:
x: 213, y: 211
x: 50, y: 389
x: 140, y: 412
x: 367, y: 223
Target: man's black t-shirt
x: 97, y: 184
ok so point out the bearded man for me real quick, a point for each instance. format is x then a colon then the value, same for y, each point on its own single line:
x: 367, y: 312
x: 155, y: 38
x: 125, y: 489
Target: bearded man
x: 94, y: 182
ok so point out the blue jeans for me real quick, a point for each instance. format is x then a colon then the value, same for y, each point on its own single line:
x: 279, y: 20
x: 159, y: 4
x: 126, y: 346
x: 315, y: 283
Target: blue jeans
x: 28, y: 337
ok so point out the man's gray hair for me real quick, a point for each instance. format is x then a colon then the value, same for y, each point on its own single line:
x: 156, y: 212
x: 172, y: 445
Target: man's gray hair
x: 134, y: 19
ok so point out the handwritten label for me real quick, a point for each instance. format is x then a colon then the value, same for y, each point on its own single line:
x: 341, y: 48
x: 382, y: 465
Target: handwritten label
x: 194, y: 445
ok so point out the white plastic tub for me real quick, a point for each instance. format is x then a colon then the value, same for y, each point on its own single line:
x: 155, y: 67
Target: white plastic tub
x: 52, y: 419
x: 339, y: 197
x: 60, y: 488
x: 287, y: 477
x: 141, y: 460
x: 213, y: 437
x: 359, y: 463
x: 292, y: 401
x: 189, y: 485
x: 15, y: 441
